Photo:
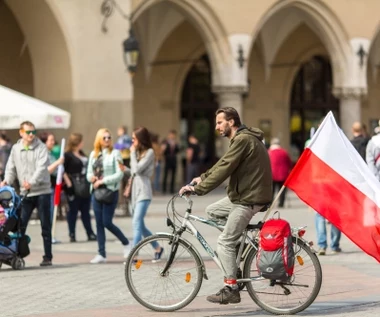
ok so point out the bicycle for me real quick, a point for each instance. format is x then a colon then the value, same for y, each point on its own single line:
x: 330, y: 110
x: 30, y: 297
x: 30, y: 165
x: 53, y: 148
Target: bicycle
x: 174, y: 282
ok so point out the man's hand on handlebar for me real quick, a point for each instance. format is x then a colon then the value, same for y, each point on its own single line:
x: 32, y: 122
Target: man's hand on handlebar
x: 196, y: 181
x: 186, y: 190
x: 189, y: 188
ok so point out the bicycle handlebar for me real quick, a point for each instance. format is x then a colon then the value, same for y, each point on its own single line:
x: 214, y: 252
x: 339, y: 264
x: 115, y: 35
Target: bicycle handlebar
x: 188, y: 199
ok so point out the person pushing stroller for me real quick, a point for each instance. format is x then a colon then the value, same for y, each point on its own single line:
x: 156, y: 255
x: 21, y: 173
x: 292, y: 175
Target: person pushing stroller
x: 28, y: 162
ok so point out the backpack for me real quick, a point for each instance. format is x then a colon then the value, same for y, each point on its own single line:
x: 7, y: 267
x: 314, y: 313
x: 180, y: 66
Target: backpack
x: 275, y: 259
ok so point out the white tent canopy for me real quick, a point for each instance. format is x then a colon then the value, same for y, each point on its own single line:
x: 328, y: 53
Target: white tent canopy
x: 16, y: 107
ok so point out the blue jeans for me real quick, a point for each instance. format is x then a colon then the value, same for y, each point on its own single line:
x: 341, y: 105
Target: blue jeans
x: 139, y: 228
x: 82, y: 205
x: 42, y: 203
x: 320, y: 224
x: 103, y: 216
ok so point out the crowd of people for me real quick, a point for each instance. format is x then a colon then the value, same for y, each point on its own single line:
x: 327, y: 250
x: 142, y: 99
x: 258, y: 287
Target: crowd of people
x: 31, y: 165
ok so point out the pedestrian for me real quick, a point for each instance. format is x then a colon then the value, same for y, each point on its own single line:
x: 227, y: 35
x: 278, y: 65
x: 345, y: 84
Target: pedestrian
x: 123, y: 144
x: 104, y: 172
x: 5, y: 150
x: 193, y: 159
x: 141, y: 171
x: 157, y: 162
x: 281, y: 165
x: 373, y: 153
x: 49, y: 140
x: 170, y: 150
x: 77, y: 187
x: 359, y: 140
x: 246, y: 164
x: 28, y: 162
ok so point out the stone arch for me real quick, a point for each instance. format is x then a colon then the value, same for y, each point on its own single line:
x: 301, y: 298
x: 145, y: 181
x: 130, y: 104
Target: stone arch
x: 326, y: 25
x: 209, y: 26
x: 44, y: 37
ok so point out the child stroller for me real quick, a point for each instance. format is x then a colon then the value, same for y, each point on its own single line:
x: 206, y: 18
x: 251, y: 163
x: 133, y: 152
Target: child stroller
x: 13, y: 244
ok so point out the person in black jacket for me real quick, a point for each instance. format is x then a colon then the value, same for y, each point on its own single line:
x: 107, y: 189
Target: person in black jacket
x: 170, y: 149
x: 77, y: 186
x: 359, y: 141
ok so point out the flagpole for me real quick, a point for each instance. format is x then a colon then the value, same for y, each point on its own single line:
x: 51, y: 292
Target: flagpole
x: 273, y: 203
x: 57, y: 192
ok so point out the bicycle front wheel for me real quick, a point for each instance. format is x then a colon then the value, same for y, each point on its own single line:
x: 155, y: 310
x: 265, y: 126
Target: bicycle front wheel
x: 290, y: 297
x: 159, y: 291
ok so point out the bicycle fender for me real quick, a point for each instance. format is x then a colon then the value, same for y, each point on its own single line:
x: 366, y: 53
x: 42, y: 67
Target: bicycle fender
x: 189, y: 245
x: 305, y: 242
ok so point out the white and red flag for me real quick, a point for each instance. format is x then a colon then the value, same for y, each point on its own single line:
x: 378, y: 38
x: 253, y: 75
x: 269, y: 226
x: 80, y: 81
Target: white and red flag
x: 332, y: 178
x: 57, y: 191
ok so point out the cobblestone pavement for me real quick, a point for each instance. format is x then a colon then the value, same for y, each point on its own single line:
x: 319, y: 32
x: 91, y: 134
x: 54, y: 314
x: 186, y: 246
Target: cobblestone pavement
x: 73, y: 287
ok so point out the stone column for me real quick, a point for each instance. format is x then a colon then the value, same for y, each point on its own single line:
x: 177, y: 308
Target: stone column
x: 231, y: 96
x: 350, y: 107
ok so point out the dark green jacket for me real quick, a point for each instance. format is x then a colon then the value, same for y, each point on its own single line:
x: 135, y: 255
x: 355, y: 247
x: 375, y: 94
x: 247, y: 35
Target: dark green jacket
x: 247, y: 164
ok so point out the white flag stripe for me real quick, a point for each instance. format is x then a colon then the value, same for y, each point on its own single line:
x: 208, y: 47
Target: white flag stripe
x: 60, y: 170
x: 331, y: 146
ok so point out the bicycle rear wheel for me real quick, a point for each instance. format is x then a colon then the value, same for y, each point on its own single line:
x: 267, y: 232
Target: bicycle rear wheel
x: 163, y: 292
x: 291, y: 297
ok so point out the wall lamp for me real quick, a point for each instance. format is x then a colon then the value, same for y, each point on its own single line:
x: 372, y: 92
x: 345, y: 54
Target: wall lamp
x: 240, y: 59
x: 131, y: 48
x: 361, y: 53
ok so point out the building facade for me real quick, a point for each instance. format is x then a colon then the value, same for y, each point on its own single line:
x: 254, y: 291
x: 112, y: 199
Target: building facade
x: 282, y: 63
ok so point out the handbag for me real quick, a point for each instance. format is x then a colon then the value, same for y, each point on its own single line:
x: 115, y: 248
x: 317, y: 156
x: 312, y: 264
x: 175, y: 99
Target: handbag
x: 128, y: 188
x: 104, y: 195
x: 81, y: 186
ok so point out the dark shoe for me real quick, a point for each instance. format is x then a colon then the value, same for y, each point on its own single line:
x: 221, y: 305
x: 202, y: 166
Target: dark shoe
x: 226, y: 295
x: 336, y: 251
x: 72, y: 238
x: 92, y: 237
x: 157, y: 256
x: 46, y: 262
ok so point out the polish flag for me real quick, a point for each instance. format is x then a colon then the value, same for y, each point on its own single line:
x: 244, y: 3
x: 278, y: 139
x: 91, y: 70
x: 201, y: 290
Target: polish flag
x: 332, y: 178
x: 57, y: 191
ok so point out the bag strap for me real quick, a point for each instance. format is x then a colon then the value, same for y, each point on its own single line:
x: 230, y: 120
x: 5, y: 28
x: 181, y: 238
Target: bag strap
x: 377, y: 158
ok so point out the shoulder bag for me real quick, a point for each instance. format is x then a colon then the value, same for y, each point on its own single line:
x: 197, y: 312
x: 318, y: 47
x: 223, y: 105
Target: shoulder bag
x: 102, y: 194
x: 81, y: 185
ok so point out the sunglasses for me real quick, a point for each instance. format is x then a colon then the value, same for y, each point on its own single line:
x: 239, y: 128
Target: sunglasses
x: 30, y: 132
x: 106, y: 138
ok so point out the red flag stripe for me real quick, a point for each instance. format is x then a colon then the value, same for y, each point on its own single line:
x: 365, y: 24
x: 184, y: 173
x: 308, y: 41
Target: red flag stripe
x: 335, y: 198
x: 57, y: 194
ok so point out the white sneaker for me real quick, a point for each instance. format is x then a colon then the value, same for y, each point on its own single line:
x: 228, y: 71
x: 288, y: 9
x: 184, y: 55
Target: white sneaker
x: 126, y: 250
x: 98, y: 259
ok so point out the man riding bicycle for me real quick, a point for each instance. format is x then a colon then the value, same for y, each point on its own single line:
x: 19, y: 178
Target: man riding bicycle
x: 247, y: 164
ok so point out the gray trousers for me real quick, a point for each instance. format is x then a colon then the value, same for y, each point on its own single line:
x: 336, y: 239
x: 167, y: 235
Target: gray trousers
x: 235, y: 218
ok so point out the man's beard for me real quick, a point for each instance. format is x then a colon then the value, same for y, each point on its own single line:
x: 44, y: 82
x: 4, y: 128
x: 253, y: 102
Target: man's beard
x: 227, y: 132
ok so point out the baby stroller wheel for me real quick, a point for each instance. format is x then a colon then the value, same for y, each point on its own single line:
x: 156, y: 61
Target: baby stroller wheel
x: 18, y: 263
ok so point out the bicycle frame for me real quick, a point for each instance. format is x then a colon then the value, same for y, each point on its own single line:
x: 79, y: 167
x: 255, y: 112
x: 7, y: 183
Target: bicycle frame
x: 187, y: 224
